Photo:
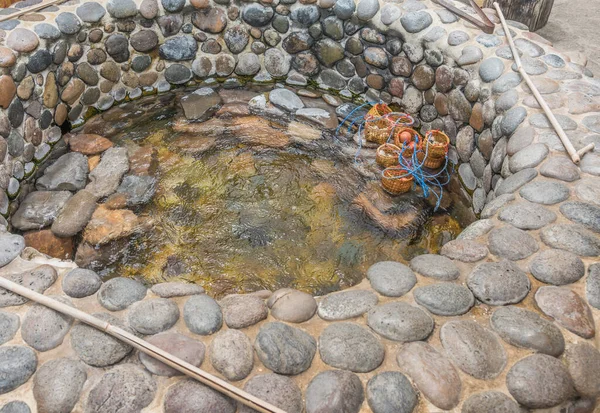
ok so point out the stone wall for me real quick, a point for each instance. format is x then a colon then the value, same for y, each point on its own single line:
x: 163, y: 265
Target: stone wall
x: 456, y: 327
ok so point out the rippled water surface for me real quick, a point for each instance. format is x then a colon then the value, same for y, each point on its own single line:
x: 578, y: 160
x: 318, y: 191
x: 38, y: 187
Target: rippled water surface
x: 255, y: 207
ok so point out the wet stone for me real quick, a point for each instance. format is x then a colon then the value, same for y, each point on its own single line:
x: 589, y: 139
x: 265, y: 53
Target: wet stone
x: 391, y: 392
x: 241, y: 311
x: 285, y: 99
x: 68, y: 173
x: 284, y: 349
x: 119, y: 293
x: 583, y: 363
x: 278, y: 390
x: 445, y: 299
x: 525, y: 215
x: 57, y: 385
x: 473, y: 348
x: 43, y: 328
x: 567, y: 308
x: 433, y: 374
x: 490, y: 402
x: 334, y: 390
x: 39, y: 209
x: 435, y: 266
x: 391, y: 279
x: 416, y: 21
x: 539, y: 381
x: 231, y: 354
x: 346, y: 304
x: 464, y: 250
x: 125, y: 389
x: 573, y: 238
x: 400, y: 321
x: 202, y: 315
x: 185, y: 348
x: 9, y: 325
x: 17, y: 365
x: 39, y: 280
x: 498, y: 283
x: 105, y: 178
x: 516, y: 181
x: 526, y: 329
x: 75, y: 214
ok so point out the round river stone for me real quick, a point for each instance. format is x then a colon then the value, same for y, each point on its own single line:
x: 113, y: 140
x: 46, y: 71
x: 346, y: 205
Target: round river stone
x: 582, y: 213
x: 9, y: 325
x: 43, y: 328
x: 58, y: 384
x: 190, y: 396
x: 202, y: 315
x: 17, y: 364
x: 526, y: 215
x: 334, y: 391
x: 391, y: 392
x: 473, y: 348
x: 573, y: 238
x: 292, y: 306
x: 284, y: 349
x: 435, y: 266
x: 567, y: 308
x: 185, y: 348
x: 511, y: 243
x: 400, y: 321
x: 545, y: 192
x: 557, y: 267
x: 351, y: 347
x: 153, y: 316
x: 241, y: 311
x: 583, y: 363
x: 231, y: 354
x: 490, y: 402
x: 524, y: 328
x: 79, y: 283
x: 446, y: 299
x: 346, y: 304
x: 278, y: 390
x: 498, y: 283
x: 539, y: 381
x: 391, y: 278
x: 119, y: 293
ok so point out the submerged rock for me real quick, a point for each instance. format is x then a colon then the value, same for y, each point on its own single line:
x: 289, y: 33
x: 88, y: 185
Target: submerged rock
x: 201, y: 104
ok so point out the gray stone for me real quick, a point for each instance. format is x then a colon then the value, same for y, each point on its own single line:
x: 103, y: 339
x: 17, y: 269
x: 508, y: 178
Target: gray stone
x: 583, y: 363
x: 346, y: 304
x: 529, y: 47
x: 185, y: 348
x: 57, y: 385
x: 9, y: 325
x: 17, y: 365
x: 460, y: 110
x: 528, y: 157
x: 490, y: 402
x: 178, y: 74
x: 391, y: 278
x: 476, y: 229
x: 123, y: 389
x: 153, y: 316
x: 68, y: 173
x: 191, y: 396
x: 105, y: 178
x: 68, y: 23
x: 560, y: 167
x: 176, y: 289
x: 390, y: 13
x: 15, y: 407
x: 178, y: 48
x: 248, y: 64
x: 592, y: 287
x: 525, y: 215
x: 512, y: 119
x: 446, y: 16
x: 470, y: 55
x: 511, y: 243
x: 305, y: 15
x: 545, y: 192
x: 173, y: 6
x: 119, y: 293
x: 434, y: 34
x: 349, y: 346
x: 473, y: 348
x: 48, y: 31
x: 590, y: 164
x: 285, y: 99
x: 457, y: 37
x: 539, y: 381
x: 75, y: 214
x: 567, y: 308
x: 582, y: 213
x: 526, y: 329
x: 43, y: 328
x: 539, y: 120
x: 231, y: 354
x: 573, y: 238
x: 588, y: 190
x: 278, y: 390
x: 391, y: 392
x: 499, y: 283
x: 79, y: 283
x: 284, y: 349
x: 257, y: 15
x: 520, y: 140
x: 506, y: 82
x: 241, y: 311
x: 117, y: 46
x: 292, y: 306
x: 121, y: 9
x: 532, y: 66
x: 467, y: 177
x: 507, y: 100
x: 202, y: 315
x: 90, y: 12
x: 11, y: 246
x: 400, y: 321
x: 445, y: 299
x: 491, y: 69
x: 201, y: 105
x: 334, y: 391
x: 433, y: 374
x: 39, y: 280
x: 516, y: 181
x: 464, y: 250
x: 39, y: 209
x: 435, y: 266
x: 416, y: 21
x: 367, y: 9
x: 488, y: 40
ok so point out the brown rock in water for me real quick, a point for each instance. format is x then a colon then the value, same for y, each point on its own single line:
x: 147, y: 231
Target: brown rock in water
x: 93, y: 162
x: 98, y: 257
x: 116, y: 201
x: 144, y: 161
x: 108, y: 225
x: 8, y: 89
x: 47, y: 243
x: 89, y: 144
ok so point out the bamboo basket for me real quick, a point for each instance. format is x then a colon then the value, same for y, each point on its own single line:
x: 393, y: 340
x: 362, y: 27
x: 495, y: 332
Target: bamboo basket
x: 436, y: 144
x: 401, y: 120
x: 387, y: 155
x: 377, y: 126
x: 396, y: 180
x: 429, y: 162
x: 407, y: 151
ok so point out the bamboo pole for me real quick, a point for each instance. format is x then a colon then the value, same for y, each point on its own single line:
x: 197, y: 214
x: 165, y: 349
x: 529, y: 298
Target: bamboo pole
x: 574, y: 154
x: 145, y: 347
x: 26, y: 10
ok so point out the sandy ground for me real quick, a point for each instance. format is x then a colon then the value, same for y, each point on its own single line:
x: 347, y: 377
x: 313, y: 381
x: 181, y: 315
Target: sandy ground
x: 574, y: 26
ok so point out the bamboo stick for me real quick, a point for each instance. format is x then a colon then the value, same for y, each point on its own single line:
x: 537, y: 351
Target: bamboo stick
x: 145, y: 347
x: 574, y: 154
x: 30, y: 9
